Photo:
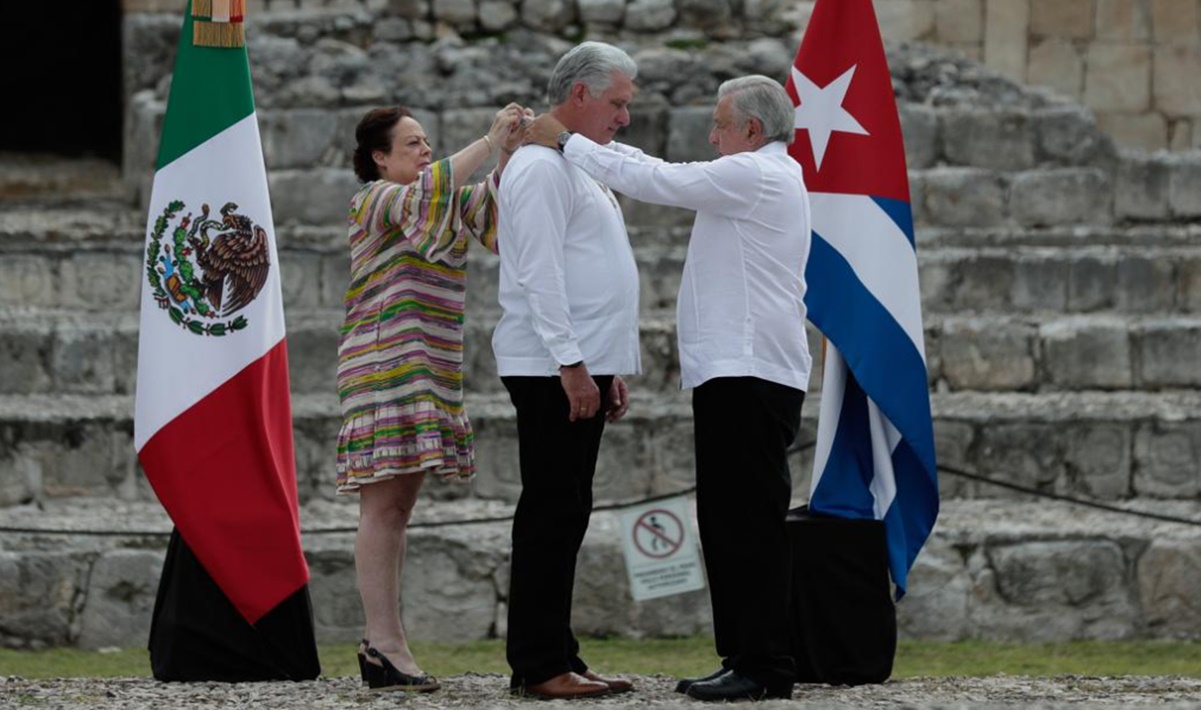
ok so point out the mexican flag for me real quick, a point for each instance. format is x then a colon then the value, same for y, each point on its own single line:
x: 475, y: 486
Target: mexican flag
x: 213, y: 421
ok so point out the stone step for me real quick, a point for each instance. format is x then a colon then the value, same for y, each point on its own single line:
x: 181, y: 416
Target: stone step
x: 1106, y: 445
x: 91, y: 261
x: 1001, y: 570
x: 68, y: 352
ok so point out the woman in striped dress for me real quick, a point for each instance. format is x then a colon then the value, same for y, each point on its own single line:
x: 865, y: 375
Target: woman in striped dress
x: 400, y: 354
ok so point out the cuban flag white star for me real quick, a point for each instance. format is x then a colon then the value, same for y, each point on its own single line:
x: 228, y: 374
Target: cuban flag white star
x: 821, y: 113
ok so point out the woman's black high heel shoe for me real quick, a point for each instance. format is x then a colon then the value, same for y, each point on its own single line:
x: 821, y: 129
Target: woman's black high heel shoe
x: 362, y: 654
x: 385, y: 676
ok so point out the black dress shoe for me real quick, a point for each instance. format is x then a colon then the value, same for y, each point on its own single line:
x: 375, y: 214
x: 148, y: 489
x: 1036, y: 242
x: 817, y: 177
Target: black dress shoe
x: 736, y: 686
x: 686, y: 683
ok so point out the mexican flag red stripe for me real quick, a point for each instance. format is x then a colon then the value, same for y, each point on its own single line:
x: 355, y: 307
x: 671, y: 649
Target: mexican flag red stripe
x: 213, y: 424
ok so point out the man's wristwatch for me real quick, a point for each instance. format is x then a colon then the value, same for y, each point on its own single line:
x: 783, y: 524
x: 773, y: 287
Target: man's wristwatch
x: 562, y: 139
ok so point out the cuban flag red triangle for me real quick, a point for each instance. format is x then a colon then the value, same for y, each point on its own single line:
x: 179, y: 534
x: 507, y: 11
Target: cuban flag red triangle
x: 874, y: 457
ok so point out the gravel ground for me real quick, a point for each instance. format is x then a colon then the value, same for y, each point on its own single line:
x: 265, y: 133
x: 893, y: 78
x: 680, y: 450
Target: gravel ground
x: 489, y: 691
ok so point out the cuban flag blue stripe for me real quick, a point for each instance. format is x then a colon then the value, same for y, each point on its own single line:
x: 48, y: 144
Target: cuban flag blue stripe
x: 875, y: 452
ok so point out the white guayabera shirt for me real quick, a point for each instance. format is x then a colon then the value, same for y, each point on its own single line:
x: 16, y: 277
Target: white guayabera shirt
x: 741, y: 308
x: 568, y: 280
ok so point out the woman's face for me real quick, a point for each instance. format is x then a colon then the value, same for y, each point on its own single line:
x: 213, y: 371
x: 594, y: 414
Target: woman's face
x: 410, y: 153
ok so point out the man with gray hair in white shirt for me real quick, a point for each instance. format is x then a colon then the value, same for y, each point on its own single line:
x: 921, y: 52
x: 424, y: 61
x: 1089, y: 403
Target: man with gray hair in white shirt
x: 568, y: 332
x: 743, y: 352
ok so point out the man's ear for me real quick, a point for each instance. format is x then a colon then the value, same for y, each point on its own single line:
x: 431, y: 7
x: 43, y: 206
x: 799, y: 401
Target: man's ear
x: 578, y: 93
x: 754, y: 129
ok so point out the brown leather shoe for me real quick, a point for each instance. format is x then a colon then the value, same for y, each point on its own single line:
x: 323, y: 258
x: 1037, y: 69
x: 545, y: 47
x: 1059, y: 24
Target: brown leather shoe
x: 565, y: 686
x: 616, y: 685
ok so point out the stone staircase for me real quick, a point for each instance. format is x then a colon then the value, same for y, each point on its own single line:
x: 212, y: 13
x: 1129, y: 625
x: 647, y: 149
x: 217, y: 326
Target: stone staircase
x: 1061, y: 287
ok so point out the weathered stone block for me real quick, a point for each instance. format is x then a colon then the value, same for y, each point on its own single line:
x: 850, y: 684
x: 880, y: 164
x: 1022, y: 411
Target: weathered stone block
x: 959, y: 21
x: 606, y: 12
x: 1123, y: 20
x: 1028, y: 454
x: 101, y: 281
x: 919, y: 126
x: 1142, y: 189
x: 1099, y: 458
x: 38, y: 595
x: 498, y: 475
x: 449, y: 590
x: 987, y: 355
x: 704, y: 14
x: 650, y: 15
x: 298, y: 139
x: 82, y: 360
x: 1083, y: 355
x: 1006, y: 28
x: 1069, y: 134
x: 1169, y: 352
x: 1057, y: 63
x: 964, y: 197
x: 458, y: 13
x: 648, y: 128
x: 1189, y: 271
x: 1145, y: 285
x: 1117, y: 77
x: 1166, y: 464
x: 120, y: 599
x: 688, y: 134
x: 313, y: 359
x: 983, y: 283
x: 1092, y: 281
x: 953, y: 443
x: 28, y: 280
x: 906, y: 20
x: 300, y: 278
x: 1184, y: 187
x: 937, y: 283
x: 936, y: 607
x: 313, y: 197
x: 1175, y: 79
x: 987, y: 139
x: 1059, y: 590
x: 1063, y: 196
x: 1174, y: 21
x: 1169, y: 574
x: 335, y: 277
x: 1180, y: 135
x: 1065, y: 18
x: 1040, y: 284
x: 1141, y: 131
x: 24, y: 359
x: 398, y: 29
x: 547, y: 15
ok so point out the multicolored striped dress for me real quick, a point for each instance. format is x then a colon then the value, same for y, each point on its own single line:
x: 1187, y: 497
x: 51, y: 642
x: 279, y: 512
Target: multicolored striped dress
x: 400, y: 355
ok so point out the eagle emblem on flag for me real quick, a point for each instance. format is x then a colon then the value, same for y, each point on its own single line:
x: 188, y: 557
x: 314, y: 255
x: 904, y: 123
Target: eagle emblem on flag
x: 207, y: 269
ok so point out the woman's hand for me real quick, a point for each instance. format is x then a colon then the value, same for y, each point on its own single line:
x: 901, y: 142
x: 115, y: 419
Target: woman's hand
x: 507, y: 121
x: 544, y: 131
x: 517, y: 135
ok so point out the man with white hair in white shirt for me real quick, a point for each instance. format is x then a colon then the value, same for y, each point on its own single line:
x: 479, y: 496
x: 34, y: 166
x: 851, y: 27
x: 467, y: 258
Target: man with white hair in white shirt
x: 743, y: 352
x: 569, y: 330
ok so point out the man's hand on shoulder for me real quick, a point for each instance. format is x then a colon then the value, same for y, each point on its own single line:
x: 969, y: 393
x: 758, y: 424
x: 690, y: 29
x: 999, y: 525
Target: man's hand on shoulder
x: 583, y: 396
x: 544, y: 131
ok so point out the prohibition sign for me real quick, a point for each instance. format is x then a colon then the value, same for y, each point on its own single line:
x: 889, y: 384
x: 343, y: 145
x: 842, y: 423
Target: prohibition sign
x: 662, y: 531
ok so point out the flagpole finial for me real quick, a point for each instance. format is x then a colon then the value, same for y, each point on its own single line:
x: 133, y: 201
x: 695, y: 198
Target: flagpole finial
x: 218, y: 23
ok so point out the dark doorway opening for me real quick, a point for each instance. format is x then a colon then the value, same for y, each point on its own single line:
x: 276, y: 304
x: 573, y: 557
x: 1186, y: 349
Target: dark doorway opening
x: 61, y: 85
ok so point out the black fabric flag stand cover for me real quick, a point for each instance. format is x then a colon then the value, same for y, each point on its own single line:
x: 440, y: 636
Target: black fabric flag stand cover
x: 196, y: 634
x: 844, y: 621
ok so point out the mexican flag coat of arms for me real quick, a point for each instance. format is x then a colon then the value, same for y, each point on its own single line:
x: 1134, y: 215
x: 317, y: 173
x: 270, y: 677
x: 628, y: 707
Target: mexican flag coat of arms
x: 213, y: 422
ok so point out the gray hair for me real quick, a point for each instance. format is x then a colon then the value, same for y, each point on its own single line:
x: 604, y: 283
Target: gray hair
x: 758, y: 96
x: 592, y: 63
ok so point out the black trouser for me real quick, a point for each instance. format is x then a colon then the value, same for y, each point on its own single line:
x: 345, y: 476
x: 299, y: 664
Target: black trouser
x: 743, y: 428
x: 558, y: 460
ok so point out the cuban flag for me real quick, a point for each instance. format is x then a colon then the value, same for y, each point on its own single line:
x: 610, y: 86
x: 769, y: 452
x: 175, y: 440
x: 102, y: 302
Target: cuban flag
x: 874, y: 457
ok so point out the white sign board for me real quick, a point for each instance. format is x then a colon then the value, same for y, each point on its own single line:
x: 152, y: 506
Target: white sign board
x: 661, y: 554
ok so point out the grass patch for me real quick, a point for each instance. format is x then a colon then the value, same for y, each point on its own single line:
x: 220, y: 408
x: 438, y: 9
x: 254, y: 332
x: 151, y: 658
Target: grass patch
x: 692, y: 656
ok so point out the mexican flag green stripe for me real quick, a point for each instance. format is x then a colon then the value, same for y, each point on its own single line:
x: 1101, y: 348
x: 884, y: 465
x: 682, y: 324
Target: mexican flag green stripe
x: 210, y: 92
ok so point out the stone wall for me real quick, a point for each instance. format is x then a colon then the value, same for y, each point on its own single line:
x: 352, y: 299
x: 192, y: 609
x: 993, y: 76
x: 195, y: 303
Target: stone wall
x: 1135, y: 63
